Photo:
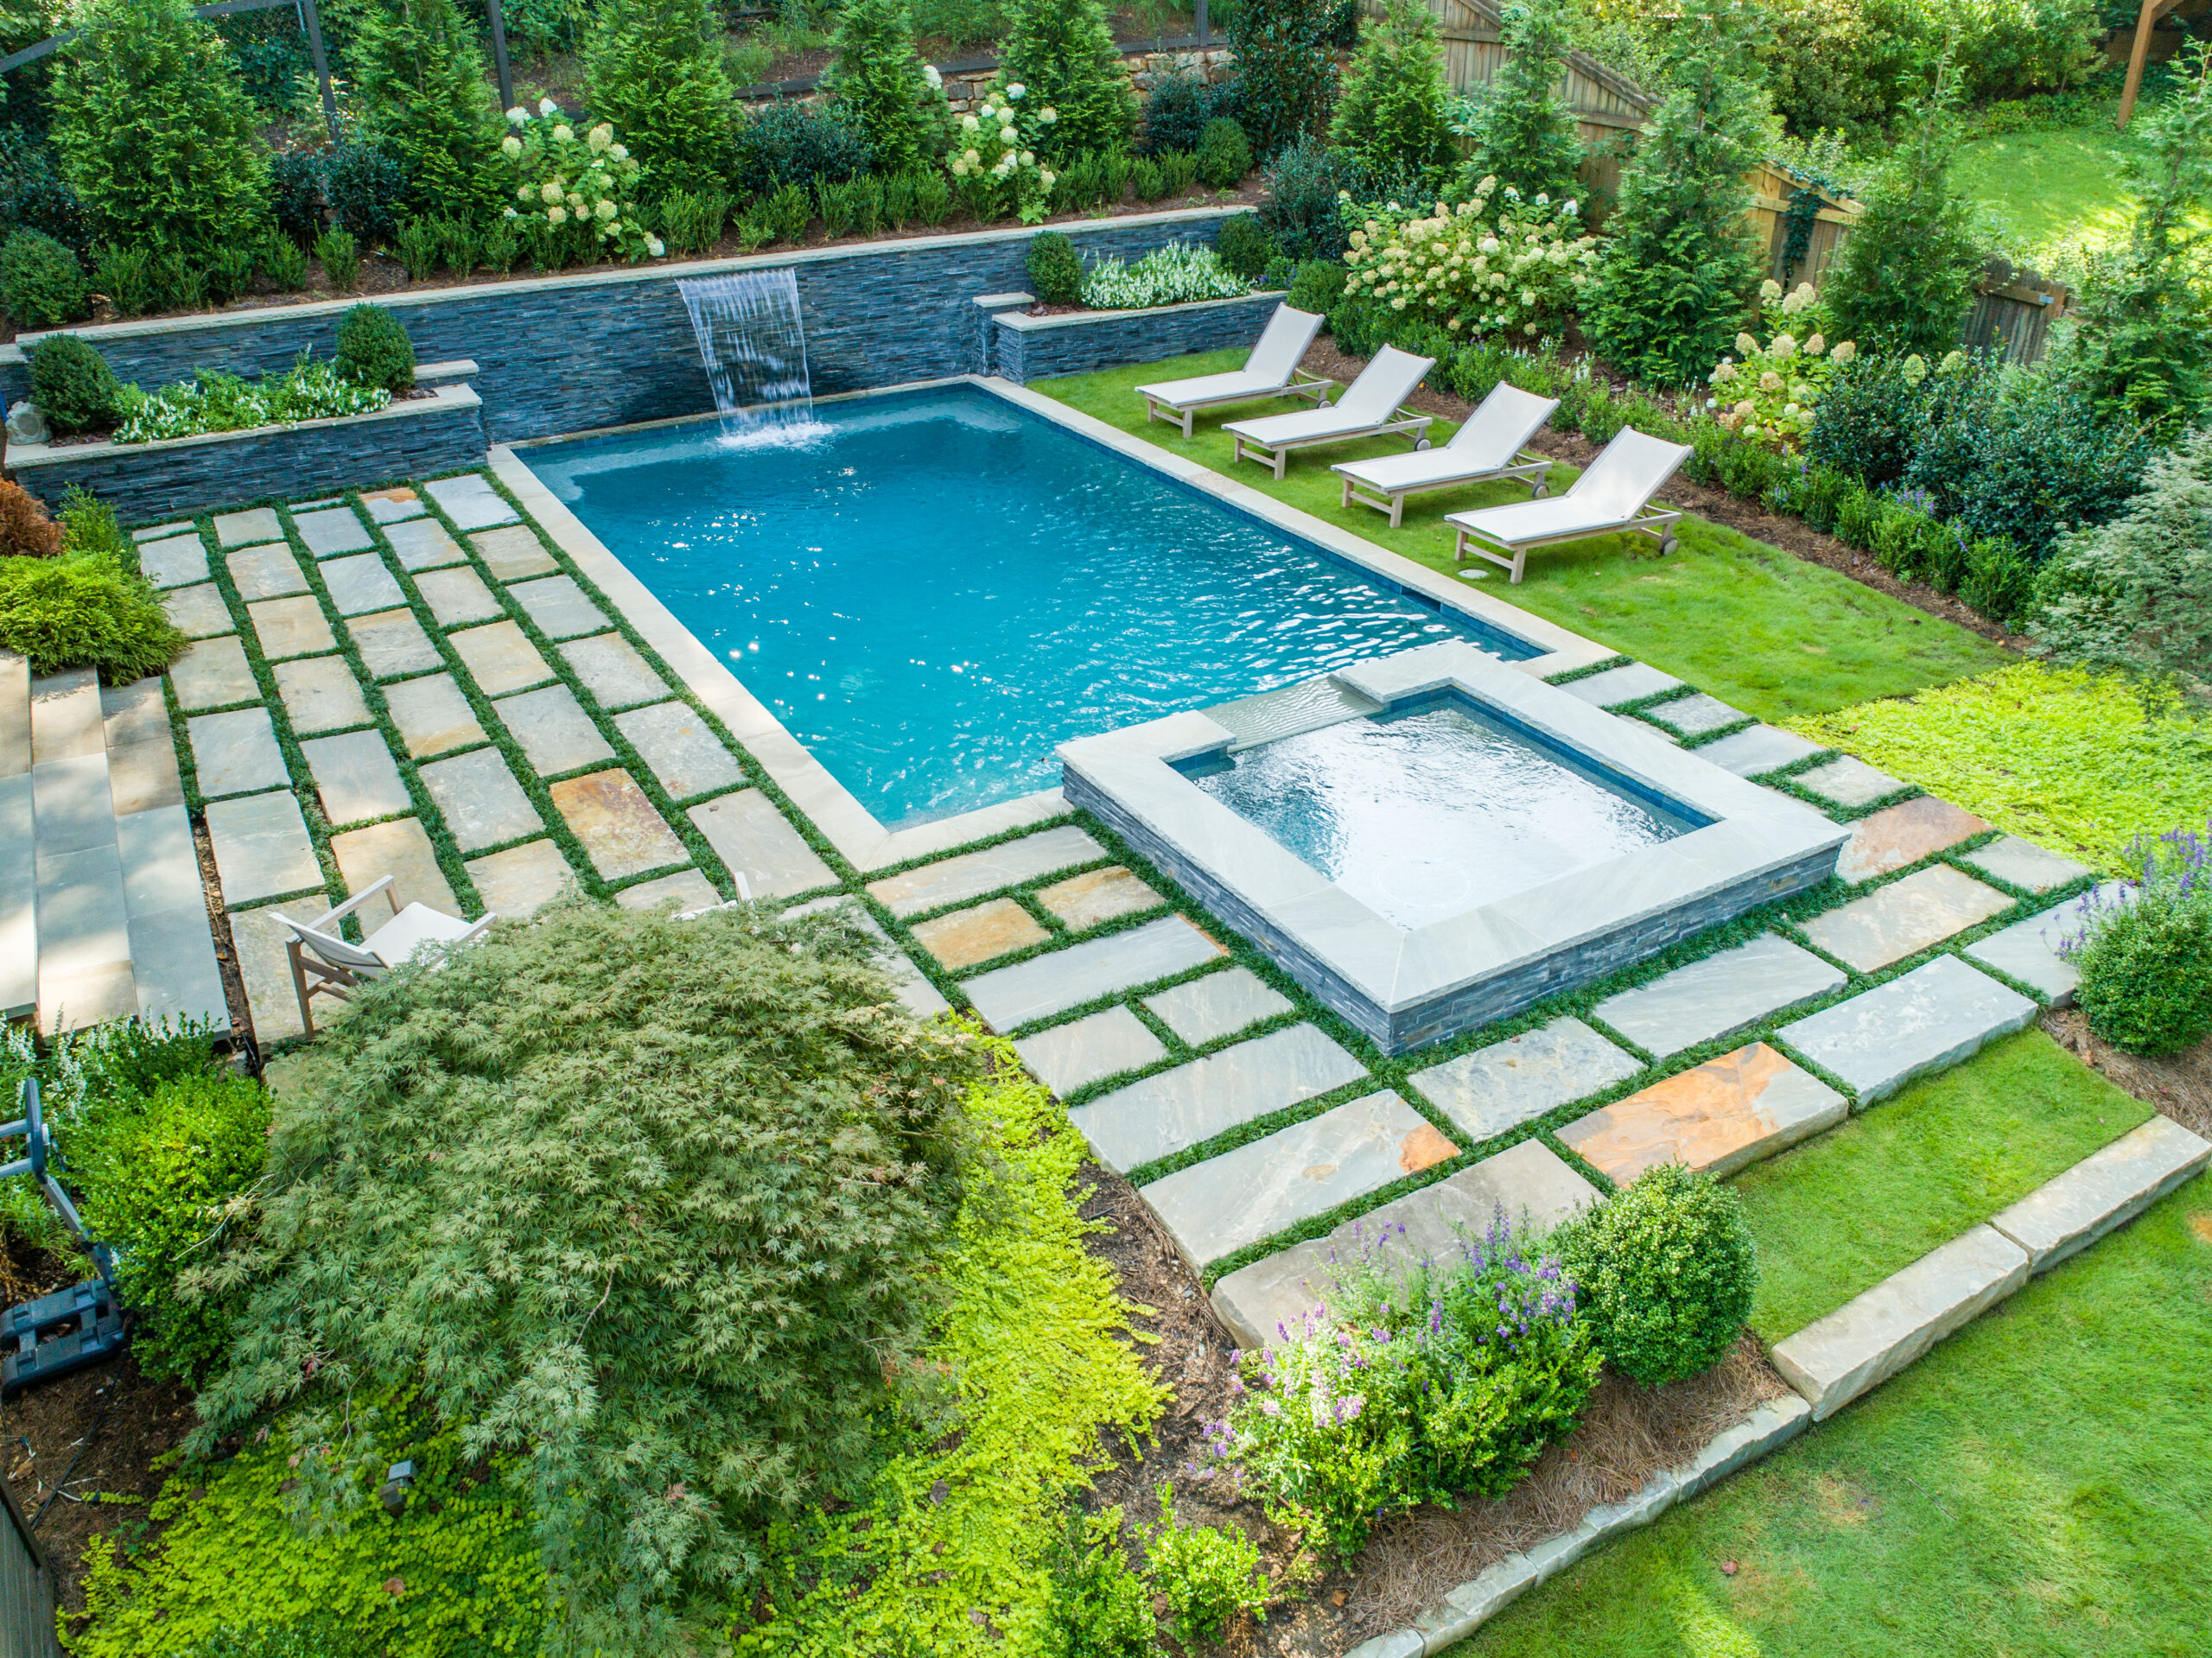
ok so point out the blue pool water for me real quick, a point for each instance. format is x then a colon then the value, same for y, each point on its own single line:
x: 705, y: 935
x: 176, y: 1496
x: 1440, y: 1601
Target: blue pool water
x: 940, y: 587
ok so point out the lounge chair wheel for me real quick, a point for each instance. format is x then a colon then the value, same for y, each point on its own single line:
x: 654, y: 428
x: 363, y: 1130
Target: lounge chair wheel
x: 1541, y: 489
x: 1321, y: 402
x: 1420, y: 444
x: 1667, y: 546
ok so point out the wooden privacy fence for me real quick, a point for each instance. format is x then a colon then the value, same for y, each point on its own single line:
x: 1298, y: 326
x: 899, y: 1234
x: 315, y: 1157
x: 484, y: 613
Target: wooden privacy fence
x: 26, y: 1588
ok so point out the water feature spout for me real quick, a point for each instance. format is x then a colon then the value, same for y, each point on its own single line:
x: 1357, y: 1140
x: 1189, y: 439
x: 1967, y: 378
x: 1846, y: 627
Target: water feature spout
x: 752, y: 342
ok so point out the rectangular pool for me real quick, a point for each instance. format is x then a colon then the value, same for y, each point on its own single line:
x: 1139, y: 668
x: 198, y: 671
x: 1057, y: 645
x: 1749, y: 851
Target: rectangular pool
x: 938, y: 587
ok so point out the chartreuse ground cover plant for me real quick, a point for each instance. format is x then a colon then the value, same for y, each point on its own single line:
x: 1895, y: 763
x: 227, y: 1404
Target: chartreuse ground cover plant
x: 1774, y: 635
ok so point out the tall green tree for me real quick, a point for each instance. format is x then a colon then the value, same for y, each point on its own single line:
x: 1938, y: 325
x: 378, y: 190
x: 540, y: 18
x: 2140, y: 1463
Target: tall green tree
x: 1392, y: 111
x: 1062, y: 55
x: 1680, y: 267
x: 1524, y: 133
x: 155, y: 133
x: 878, y: 78
x: 1285, y: 71
x: 423, y: 99
x: 654, y: 69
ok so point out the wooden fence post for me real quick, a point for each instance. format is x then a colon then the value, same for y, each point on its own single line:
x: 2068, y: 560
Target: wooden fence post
x: 499, y: 55
x: 311, y: 24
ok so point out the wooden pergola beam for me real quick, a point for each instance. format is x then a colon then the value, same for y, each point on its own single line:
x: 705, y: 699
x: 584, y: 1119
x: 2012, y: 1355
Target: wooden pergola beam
x: 2138, y: 53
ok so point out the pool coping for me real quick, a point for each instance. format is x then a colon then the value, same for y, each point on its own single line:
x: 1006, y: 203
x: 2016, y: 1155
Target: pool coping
x: 855, y: 833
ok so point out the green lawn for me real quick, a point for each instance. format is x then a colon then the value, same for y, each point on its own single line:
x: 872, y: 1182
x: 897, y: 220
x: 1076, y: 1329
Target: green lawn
x: 2049, y: 187
x: 1770, y: 633
x: 2037, y: 1487
x: 1841, y: 1213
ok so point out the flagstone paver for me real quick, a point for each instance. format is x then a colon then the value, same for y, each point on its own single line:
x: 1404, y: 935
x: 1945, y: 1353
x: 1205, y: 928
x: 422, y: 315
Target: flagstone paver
x: 555, y: 732
x: 258, y: 941
x: 1082, y: 901
x: 174, y: 563
x: 392, y: 642
x: 457, y: 596
x: 393, y: 506
x: 2109, y: 1186
x: 236, y: 752
x: 687, y: 889
x: 470, y: 501
x: 1007, y: 997
x: 1174, y: 1110
x: 2028, y: 950
x: 1718, y: 1116
x: 500, y: 657
x: 1903, y: 833
x: 954, y: 880
x: 482, y: 803
x: 432, y: 714
x: 266, y: 572
x: 920, y: 998
x: 1204, y: 1010
x: 1689, y: 716
x: 212, y: 673
x: 557, y: 605
x: 519, y: 881
x: 1757, y: 749
x: 361, y: 583
x: 142, y: 765
x: 757, y: 842
x: 1847, y: 781
x: 335, y: 529
x: 424, y: 545
x: 1722, y: 994
x: 1528, y: 1184
x: 1619, y: 685
x: 320, y: 694
x: 1220, y: 1206
x: 255, y: 524
x: 612, y: 671
x: 1905, y: 918
x: 66, y: 719
x: 262, y: 848
x: 1508, y: 1082
x: 513, y: 553
x: 291, y: 627
x: 2024, y: 864
x: 679, y: 749
x: 198, y: 611
x: 621, y: 831
x: 355, y: 777
x: 400, y: 848
x: 159, y: 531
x: 1072, y: 1056
x: 1930, y: 1019
x: 967, y: 936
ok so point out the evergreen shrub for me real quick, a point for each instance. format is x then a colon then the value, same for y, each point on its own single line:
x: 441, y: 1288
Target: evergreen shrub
x: 1666, y: 1269
x: 426, y: 103
x: 2145, y: 959
x: 1207, y: 1574
x: 1223, y: 156
x: 296, y: 192
x: 1055, y: 269
x: 34, y: 196
x: 42, y: 280
x: 788, y: 143
x: 1100, y: 1607
x: 880, y: 80
x: 365, y: 185
x: 1285, y: 71
x: 1244, y: 247
x: 373, y: 348
x: 1391, y: 109
x: 73, y: 386
x: 1300, y: 209
x: 654, y: 69
x: 1062, y: 55
x: 84, y: 610
x: 340, y: 255
x: 1176, y: 112
x: 1523, y: 133
x: 1316, y: 285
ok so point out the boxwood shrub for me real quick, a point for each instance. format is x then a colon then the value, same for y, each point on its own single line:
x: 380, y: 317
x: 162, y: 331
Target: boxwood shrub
x: 1666, y: 1269
x: 374, y: 349
x: 73, y: 386
x: 42, y: 280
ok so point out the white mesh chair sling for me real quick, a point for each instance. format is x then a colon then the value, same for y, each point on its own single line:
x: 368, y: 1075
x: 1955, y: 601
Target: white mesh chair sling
x: 1489, y: 446
x: 1372, y: 406
x: 1611, y: 496
x: 326, y: 964
x: 1271, y: 371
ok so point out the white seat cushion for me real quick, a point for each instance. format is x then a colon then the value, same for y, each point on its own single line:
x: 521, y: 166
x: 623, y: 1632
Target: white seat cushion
x: 412, y: 927
x: 1526, y: 520
x: 1213, y: 388
x: 1390, y: 472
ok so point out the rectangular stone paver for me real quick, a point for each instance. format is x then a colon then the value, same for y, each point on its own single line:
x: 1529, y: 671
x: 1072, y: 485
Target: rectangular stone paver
x: 66, y: 719
x: 1619, y: 685
x: 555, y: 732
x: 1905, y: 918
x: 514, y: 553
x: 1082, y: 901
x: 401, y: 849
x: 612, y: 671
x: 432, y: 714
x: 915, y: 992
x: 480, y: 799
x: 1905, y: 834
x: 1757, y: 749
x: 262, y: 848
x: 74, y: 809
x: 159, y: 531
x: 1928, y: 1020
x: 516, y: 882
x: 470, y: 501
x: 1075, y: 1055
x: 758, y: 843
x: 354, y: 776
x: 320, y: 694
x: 1725, y: 992
x: 198, y: 611
x: 393, y: 505
x: 1510, y: 1082
x: 2024, y: 864
x: 1689, y: 716
x: 84, y: 944
x: 361, y: 583
x: 1526, y: 1185
x: 680, y: 750
x: 392, y: 642
x: 2103, y: 1191
x: 621, y: 831
x: 1206, y: 1010
x: 557, y: 605
x: 291, y: 627
x: 266, y: 572
x: 2028, y: 950
x: 687, y: 889
x: 500, y: 657
x: 424, y: 545
x: 1847, y: 781
x: 457, y: 596
x: 989, y: 930
x: 1718, y: 1116
x: 143, y: 775
x: 175, y: 563
x: 1176, y: 1109
x: 1007, y: 997
x: 1222, y: 1205
x: 1875, y: 1335
x: 212, y: 672
x: 334, y: 529
x: 258, y: 941
x: 955, y: 880
x: 256, y: 523
x: 236, y: 752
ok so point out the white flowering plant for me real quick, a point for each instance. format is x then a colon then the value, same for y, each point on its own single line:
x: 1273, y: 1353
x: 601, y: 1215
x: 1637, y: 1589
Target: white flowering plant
x: 215, y: 401
x: 1766, y: 393
x: 581, y: 187
x: 1173, y: 274
x: 993, y: 156
x: 1493, y: 264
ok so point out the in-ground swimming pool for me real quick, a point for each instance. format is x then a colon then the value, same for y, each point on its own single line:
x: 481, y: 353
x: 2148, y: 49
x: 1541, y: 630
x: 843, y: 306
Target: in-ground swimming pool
x: 940, y: 587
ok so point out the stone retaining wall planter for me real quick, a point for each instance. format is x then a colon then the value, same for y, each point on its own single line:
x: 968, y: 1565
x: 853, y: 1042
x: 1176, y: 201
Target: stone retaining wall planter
x: 612, y: 346
x: 1028, y: 348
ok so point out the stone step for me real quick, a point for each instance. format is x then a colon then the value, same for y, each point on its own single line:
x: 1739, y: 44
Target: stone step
x: 1619, y: 685
x: 83, y: 928
x: 66, y: 720
x: 1693, y: 715
x: 970, y: 875
x: 1513, y: 1081
x: 2103, y: 1191
x: 15, y: 715
x: 1905, y: 918
x: 1931, y: 1018
x: 2024, y: 864
x: 1085, y: 1051
x: 758, y: 842
x: 1723, y: 993
x: 173, y: 962
x: 1757, y: 749
x: 1009, y: 997
x: 1220, y: 1004
x: 1719, y: 1116
x: 1905, y: 834
x: 1847, y: 781
x: 2028, y: 950
x: 18, y: 899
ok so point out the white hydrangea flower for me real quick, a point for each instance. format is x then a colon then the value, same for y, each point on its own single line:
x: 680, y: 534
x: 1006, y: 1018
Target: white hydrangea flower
x: 564, y: 133
x: 550, y: 192
x: 575, y: 200
x: 1008, y: 135
x: 1843, y: 352
x: 603, y: 212
x: 524, y: 194
x: 1028, y: 158
x: 511, y: 146
x: 1747, y: 346
x: 511, y: 213
x: 1783, y: 348
x: 1047, y: 178
x: 969, y: 123
x: 1770, y: 290
x: 960, y: 170
x: 1814, y: 344
x: 655, y: 246
x: 620, y: 152
x: 974, y: 157
x: 557, y: 217
x: 547, y: 106
x: 1014, y: 90
x: 518, y: 115
x: 1048, y: 115
x: 930, y: 74
x: 601, y: 138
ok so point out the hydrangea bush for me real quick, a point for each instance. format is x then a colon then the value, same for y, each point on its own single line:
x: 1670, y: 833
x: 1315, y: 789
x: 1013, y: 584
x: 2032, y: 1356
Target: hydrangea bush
x: 994, y: 156
x: 1173, y: 274
x: 584, y: 185
x: 1769, y: 395
x: 1494, y: 264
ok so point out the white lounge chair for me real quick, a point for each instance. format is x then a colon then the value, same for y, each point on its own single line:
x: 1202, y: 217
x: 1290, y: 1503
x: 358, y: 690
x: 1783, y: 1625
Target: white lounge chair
x: 1372, y: 406
x: 320, y: 953
x: 1271, y: 371
x: 1489, y: 446
x: 1609, y: 496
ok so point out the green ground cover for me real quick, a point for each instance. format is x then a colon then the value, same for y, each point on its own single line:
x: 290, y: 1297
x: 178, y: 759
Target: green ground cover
x: 1761, y: 630
x: 1839, y: 1214
x: 2066, y: 760
x: 2037, y: 1487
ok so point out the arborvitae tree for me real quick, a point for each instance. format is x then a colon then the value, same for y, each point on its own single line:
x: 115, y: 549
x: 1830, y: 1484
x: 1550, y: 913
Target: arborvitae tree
x: 1523, y: 134
x: 156, y: 135
x: 878, y: 78
x: 1680, y: 264
x: 1286, y: 70
x: 424, y: 100
x: 1062, y: 57
x: 1391, y: 112
x: 654, y: 69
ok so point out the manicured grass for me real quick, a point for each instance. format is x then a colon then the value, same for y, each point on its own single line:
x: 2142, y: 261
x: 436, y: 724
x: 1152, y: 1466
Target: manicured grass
x: 1768, y: 632
x: 2037, y: 1487
x: 2049, y: 187
x: 2064, y: 759
x: 1839, y: 1214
